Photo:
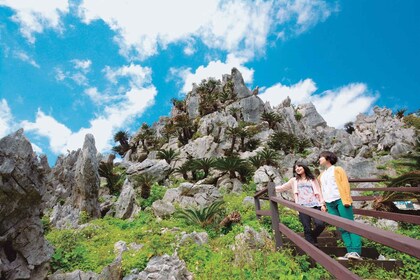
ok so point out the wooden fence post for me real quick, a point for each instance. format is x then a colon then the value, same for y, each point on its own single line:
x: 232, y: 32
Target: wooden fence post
x: 257, y: 206
x: 275, y: 218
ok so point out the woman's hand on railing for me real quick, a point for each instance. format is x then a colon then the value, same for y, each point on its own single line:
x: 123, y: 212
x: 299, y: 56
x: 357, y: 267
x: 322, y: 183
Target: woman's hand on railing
x: 324, y: 208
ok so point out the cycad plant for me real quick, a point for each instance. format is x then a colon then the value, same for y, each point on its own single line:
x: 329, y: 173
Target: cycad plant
x: 168, y: 155
x: 269, y: 156
x: 257, y: 161
x: 114, y: 176
x: 122, y: 137
x: 204, y: 164
x: 145, y: 182
x: 184, y: 169
x: 203, y: 216
x: 385, y: 202
x: 230, y: 164
x: 272, y: 118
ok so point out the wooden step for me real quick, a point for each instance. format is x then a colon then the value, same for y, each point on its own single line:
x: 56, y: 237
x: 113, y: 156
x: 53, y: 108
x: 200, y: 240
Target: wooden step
x: 323, y: 234
x: 369, y: 253
x: 388, y: 265
x: 322, y: 241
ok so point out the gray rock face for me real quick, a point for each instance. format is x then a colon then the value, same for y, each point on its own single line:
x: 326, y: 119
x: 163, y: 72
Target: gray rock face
x: 162, y: 208
x: 249, y: 240
x: 126, y: 203
x: 163, y: 268
x: 24, y: 253
x: 159, y: 169
x: 383, y: 131
x: 239, y: 86
x: 199, y: 238
x: 85, y: 192
x: 192, y: 103
x: 251, y: 108
x: 190, y: 195
x: 73, y: 186
x: 266, y: 174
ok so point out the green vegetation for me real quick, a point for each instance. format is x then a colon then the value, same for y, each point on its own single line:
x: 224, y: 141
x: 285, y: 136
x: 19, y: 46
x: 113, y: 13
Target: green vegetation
x: 92, y: 247
x: 203, y: 216
x: 114, y: 176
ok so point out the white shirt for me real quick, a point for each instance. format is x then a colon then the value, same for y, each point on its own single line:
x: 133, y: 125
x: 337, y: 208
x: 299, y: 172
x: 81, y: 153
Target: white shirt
x: 329, y: 186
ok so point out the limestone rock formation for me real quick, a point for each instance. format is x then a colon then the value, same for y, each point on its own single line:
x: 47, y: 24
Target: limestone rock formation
x: 24, y: 253
x: 73, y: 186
x: 163, y: 268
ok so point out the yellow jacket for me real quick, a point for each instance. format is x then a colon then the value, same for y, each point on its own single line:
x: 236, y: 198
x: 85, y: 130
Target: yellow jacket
x: 343, y: 184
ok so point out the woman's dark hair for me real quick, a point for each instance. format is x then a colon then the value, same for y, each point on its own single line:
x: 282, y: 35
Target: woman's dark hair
x: 329, y: 156
x: 308, y: 172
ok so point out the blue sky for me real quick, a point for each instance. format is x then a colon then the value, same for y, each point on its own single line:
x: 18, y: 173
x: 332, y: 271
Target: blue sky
x: 68, y: 68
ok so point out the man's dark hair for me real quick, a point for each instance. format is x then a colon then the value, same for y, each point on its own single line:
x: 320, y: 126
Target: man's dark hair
x: 330, y: 156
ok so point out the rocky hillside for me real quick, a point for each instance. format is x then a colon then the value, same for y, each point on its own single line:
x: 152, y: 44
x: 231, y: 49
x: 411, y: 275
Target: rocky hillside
x: 217, y: 141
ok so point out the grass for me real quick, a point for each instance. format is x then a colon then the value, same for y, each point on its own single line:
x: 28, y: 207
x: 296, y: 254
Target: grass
x: 92, y: 248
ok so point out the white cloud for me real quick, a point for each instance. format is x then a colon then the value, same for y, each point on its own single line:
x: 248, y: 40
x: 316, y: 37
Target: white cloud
x: 121, y: 112
x: 303, y: 14
x: 26, y: 58
x: 59, y: 74
x: 236, y: 26
x: 342, y: 105
x: 83, y: 65
x: 137, y: 74
x: 336, y: 106
x: 6, y: 118
x: 34, y: 16
x: 298, y: 93
x: 213, y: 69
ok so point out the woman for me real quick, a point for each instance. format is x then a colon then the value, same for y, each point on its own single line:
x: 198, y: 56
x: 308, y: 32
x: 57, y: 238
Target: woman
x: 306, y: 193
x: 336, y: 192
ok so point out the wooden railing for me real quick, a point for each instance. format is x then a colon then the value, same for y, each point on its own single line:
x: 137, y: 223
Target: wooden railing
x: 399, y: 242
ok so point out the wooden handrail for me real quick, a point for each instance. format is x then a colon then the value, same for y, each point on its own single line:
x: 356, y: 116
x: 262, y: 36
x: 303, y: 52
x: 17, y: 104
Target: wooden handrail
x: 261, y: 192
x: 400, y: 242
x: 390, y: 189
x: 412, y: 219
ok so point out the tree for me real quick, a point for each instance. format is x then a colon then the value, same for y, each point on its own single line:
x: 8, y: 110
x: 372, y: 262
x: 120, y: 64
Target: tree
x: 281, y: 140
x: 234, y: 111
x: 185, y: 128
x: 349, y: 128
x: 121, y: 137
x: 400, y: 113
x: 233, y: 133
x: 204, y: 164
x: 183, y: 169
x: 145, y: 181
x: 230, y: 164
x: 179, y: 104
x: 268, y: 157
x: 146, y: 135
x: 114, y: 176
x: 256, y: 161
x: 168, y: 155
x: 272, y: 119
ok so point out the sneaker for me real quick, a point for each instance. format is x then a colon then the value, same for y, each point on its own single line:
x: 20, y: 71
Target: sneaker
x: 354, y: 256
x: 345, y: 258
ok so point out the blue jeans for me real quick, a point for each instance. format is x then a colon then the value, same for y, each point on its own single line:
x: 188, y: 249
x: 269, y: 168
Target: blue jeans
x: 352, y: 241
x: 319, y: 226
